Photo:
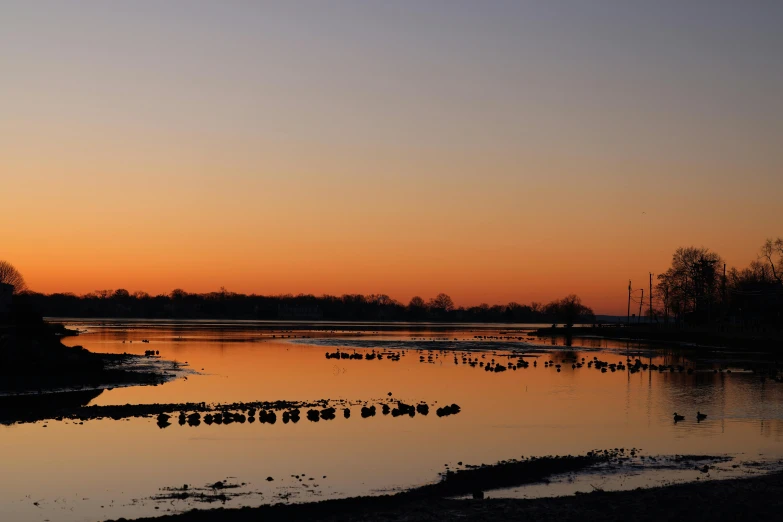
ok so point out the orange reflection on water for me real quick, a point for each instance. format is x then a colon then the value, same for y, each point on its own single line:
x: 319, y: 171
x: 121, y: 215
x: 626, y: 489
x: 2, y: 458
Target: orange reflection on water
x: 534, y: 411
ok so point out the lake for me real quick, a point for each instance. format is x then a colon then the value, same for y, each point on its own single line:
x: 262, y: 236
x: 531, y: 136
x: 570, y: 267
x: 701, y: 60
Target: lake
x: 64, y: 470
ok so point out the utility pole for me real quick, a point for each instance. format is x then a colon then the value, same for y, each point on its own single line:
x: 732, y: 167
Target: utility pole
x: 628, y: 322
x: 650, y: 297
x: 639, y: 320
x: 724, y: 304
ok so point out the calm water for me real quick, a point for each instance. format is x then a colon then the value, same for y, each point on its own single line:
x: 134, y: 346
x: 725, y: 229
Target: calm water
x: 110, y: 469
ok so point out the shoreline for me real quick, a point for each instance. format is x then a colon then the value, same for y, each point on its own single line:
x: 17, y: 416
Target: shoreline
x: 725, y: 499
x: 691, y: 339
x: 687, y: 338
x: 116, y: 371
x: 35, y: 362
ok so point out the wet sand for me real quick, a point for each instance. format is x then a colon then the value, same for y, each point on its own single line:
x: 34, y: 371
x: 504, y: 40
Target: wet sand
x: 759, y: 498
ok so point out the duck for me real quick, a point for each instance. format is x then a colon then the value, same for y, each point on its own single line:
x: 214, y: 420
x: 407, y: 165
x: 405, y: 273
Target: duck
x: 700, y: 416
x: 678, y: 418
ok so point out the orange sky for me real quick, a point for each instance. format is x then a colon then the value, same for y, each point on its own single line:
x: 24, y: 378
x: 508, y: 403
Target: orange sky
x: 519, y: 153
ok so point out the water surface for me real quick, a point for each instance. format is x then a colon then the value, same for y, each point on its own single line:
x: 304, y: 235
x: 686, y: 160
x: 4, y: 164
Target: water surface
x: 111, y: 469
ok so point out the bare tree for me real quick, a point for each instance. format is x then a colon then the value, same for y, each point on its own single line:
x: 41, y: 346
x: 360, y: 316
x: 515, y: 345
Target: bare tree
x: 693, y: 283
x: 664, y: 292
x: 442, y: 303
x: 570, y: 310
x: 416, y: 303
x: 11, y: 276
x: 772, y: 254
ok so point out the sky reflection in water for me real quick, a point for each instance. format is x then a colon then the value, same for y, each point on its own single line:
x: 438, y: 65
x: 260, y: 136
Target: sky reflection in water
x: 108, y: 469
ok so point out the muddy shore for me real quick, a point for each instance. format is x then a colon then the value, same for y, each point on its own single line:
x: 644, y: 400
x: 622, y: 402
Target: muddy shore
x: 759, y: 497
x: 34, y: 361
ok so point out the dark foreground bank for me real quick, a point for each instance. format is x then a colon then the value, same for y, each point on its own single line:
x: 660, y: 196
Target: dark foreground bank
x: 757, y: 498
x: 34, y: 360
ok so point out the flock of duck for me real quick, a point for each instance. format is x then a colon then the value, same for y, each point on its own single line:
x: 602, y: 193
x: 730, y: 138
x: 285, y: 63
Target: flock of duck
x: 699, y: 417
x: 515, y: 362
x: 293, y: 415
x: 472, y: 359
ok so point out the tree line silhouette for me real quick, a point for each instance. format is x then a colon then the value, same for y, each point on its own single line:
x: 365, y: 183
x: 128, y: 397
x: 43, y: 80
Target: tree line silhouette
x: 350, y: 307
x: 698, y: 289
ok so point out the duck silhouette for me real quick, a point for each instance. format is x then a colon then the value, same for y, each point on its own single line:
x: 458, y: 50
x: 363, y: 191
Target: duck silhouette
x: 678, y: 418
x: 700, y: 416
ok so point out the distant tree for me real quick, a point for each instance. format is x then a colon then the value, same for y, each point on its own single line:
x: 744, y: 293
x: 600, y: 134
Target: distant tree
x: 416, y: 308
x: 755, y: 293
x: 179, y: 293
x: 121, y: 293
x: 380, y: 300
x: 693, y: 283
x: 416, y: 303
x: 11, y: 276
x: 569, y: 310
x: 772, y: 255
x: 518, y: 312
x: 441, y: 303
x: 572, y: 310
x: 664, y: 293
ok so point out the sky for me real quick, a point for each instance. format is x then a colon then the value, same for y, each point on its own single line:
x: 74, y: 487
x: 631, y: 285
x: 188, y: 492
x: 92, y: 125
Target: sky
x: 496, y: 151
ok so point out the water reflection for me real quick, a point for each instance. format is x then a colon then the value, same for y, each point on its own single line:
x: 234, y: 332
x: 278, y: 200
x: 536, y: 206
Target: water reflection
x: 533, y: 410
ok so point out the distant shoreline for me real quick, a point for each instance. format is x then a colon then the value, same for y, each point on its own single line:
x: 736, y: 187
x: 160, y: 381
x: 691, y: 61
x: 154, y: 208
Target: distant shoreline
x: 768, y: 340
x: 685, y: 338
x: 314, y: 321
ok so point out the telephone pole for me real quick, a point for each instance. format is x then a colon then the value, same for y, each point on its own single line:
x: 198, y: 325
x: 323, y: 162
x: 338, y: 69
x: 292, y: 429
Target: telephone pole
x: 724, y: 304
x: 628, y: 322
x: 650, y: 297
x: 639, y: 320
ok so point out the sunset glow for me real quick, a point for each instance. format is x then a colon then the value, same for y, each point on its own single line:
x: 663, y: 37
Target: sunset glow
x: 493, y: 151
